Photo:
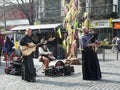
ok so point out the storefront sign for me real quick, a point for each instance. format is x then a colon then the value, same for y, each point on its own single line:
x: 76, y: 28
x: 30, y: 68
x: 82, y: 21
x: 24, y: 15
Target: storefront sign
x: 100, y: 24
x: 117, y: 25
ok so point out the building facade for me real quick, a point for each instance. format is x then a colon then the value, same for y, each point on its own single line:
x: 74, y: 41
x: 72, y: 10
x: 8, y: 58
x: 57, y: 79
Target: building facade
x: 50, y: 11
x: 116, y: 22
x: 47, y: 11
x: 101, y: 14
x: 10, y: 16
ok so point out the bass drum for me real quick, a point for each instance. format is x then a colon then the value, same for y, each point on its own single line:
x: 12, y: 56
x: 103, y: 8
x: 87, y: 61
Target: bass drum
x: 56, y: 63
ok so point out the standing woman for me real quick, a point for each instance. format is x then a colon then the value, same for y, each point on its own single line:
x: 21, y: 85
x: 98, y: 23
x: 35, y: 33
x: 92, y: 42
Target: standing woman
x: 28, y: 70
x: 8, y: 47
x: 90, y: 64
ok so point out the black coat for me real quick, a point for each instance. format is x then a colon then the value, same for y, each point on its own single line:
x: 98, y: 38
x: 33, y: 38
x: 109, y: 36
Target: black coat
x: 28, y: 70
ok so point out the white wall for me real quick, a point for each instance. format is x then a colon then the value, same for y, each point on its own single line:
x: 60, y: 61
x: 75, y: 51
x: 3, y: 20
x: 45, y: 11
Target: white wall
x: 15, y: 22
x: 115, y: 2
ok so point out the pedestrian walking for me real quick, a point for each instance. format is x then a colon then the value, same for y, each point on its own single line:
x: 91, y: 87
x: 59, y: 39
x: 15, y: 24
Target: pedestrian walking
x: 115, y: 44
x: 27, y: 44
x: 118, y: 44
x: 90, y: 64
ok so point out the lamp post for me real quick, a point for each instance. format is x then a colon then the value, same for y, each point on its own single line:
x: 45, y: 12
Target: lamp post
x: 4, y: 11
x: 88, y: 4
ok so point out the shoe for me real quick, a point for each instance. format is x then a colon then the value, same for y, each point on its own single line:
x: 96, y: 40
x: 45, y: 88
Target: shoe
x: 32, y: 80
x: 28, y: 80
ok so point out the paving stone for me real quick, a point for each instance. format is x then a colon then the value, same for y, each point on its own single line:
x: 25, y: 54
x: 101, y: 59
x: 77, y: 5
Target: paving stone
x: 110, y: 69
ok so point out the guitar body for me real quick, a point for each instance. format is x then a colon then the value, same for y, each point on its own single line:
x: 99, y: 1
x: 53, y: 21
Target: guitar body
x: 27, y: 50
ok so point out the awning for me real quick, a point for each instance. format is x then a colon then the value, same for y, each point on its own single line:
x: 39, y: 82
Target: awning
x: 116, y: 20
x: 37, y: 27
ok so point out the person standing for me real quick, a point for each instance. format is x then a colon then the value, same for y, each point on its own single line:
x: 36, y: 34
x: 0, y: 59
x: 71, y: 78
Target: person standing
x: 28, y: 70
x: 118, y: 44
x: 114, y: 44
x: 7, y: 48
x: 90, y: 64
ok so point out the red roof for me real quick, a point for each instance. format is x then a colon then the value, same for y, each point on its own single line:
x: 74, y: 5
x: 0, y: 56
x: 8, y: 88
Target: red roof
x: 12, y: 13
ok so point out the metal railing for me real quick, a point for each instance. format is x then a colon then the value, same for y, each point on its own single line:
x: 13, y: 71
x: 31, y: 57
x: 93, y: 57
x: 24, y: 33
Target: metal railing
x: 107, y: 54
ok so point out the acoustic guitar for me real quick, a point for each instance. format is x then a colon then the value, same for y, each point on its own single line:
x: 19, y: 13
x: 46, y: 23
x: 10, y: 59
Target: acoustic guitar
x: 28, y: 50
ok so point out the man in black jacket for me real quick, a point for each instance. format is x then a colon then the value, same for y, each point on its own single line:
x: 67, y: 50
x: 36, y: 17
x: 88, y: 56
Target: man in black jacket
x: 28, y: 70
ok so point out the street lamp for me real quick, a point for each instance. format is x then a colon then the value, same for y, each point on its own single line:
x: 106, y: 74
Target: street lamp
x: 89, y: 11
x: 4, y: 11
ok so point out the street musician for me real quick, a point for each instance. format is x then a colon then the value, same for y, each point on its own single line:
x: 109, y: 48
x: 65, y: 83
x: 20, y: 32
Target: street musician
x: 27, y: 44
x: 90, y: 64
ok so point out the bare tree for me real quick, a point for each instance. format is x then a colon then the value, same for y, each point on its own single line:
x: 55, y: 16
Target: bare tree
x: 28, y: 8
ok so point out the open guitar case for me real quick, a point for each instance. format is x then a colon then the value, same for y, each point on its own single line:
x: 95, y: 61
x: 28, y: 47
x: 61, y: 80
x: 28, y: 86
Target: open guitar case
x: 59, y: 68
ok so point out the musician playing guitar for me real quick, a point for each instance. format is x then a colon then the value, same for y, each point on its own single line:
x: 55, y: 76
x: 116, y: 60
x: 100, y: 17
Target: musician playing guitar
x: 28, y: 69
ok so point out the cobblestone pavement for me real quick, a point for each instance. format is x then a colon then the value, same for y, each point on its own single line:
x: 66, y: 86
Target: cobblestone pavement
x: 110, y: 69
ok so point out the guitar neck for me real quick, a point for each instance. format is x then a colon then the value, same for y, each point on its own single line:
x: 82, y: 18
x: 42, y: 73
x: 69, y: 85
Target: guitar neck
x: 115, y: 44
x: 37, y: 44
